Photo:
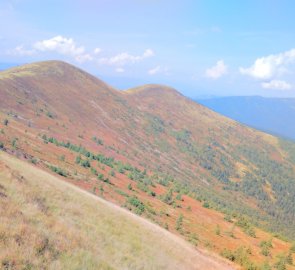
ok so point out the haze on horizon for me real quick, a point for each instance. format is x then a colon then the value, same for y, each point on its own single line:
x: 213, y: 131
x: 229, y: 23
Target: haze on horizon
x: 202, y: 48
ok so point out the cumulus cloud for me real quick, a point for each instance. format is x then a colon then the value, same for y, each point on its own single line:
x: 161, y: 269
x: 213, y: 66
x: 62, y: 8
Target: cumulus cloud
x: 68, y: 47
x: 157, y: 70
x: 21, y: 51
x: 217, y: 71
x: 270, y: 66
x: 83, y: 58
x: 120, y: 70
x: 97, y: 50
x: 60, y: 44
x: 126, y: 58
x: 276, y: 85
x: 65, y: 46
x: 154, y: 70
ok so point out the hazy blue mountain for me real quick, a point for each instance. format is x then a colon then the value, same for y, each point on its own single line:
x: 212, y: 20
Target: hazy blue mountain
x: 4, y: 66
x: 273, y: 115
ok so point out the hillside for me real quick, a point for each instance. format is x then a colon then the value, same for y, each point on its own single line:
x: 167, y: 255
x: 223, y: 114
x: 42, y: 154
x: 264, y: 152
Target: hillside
x: 272, y: 115
x: 200, y: 175
x: 48, y: 224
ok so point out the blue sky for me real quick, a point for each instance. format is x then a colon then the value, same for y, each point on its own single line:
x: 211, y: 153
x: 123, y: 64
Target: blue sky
x: 202, y: 48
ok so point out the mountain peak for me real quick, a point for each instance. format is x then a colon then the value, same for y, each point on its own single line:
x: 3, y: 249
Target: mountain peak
x: 153, y: 89
x: 44, y: 68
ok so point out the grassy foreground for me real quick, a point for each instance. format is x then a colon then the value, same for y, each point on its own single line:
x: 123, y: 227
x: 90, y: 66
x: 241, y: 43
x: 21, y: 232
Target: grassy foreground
x: 48, y: 224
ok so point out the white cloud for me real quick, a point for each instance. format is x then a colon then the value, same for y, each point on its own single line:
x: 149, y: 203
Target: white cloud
x: 120, y: 70
x: 68, y: 47
x: 65, y: 46
x: 97, y: 50
x: 215, y: 29
x: 83, y: 58
x: 21, y: 51
x: 276, y: 85
x: 59, y: 44
x: 126, y: 58
x: 270, y: 66
x: 217, y: 71
x: 154, y: 70
x: 157, y: 70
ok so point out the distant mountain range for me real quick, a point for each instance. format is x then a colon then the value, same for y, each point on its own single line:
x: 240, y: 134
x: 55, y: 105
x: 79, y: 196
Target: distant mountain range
x: 4, y: 66
x: 273, y: 115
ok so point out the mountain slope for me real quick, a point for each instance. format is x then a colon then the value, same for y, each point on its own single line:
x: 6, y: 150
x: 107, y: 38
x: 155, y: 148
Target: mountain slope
x: 273, y: 115
x: 196, y: 173
x: 41, y: 215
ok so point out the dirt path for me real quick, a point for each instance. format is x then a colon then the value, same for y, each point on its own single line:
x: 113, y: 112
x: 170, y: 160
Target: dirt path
x: 194, y: 257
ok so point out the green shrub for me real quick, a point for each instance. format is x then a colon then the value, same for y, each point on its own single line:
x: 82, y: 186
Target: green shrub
x: 100, y: 176
x: 265, y: 247
x: 58, y: 170
x: 34, y: 160
x: 168, y: 197
x: 246, y: 226
x: 281, y: 263
x: 85, y: 163
x: 129, y: 186
x: 112, y: 173
x: 49, y: 114
x: 228, y: 218
x: 206, y: 205
x: 135, y: 202
x: 14, y: 142
x: 178, y: 197
x: 217, y: 230
x: 240, y: 256
x: 289, y: 259
x: 93, y: 171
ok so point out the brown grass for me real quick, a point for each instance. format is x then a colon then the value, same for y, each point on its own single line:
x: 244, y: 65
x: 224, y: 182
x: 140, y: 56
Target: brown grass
x: 48, y: 224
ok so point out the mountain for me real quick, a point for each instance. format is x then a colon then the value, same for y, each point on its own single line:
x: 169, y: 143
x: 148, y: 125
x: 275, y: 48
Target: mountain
x: 4, y: 66
x: 272, y: 115
x: 202, y: 176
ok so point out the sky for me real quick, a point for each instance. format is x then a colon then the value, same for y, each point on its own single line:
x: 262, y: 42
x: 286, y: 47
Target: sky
x: 201, y: 48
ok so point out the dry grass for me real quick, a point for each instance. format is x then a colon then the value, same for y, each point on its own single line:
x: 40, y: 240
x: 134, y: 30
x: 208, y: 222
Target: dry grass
x: 47, y: 224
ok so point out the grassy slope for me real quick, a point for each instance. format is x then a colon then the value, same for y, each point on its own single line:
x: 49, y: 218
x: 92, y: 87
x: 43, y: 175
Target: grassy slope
x: 199, y: 223
x: 167, y: 135
x: 48, y: 224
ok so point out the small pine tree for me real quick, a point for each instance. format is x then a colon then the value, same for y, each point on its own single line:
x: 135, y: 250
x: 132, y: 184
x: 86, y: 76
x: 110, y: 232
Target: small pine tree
x: 217, y: 230
x: 129, y: 186
x: 78, y: 160
x: 266, y: 266
x: 112, y: 173
x: 280, y: 264
x: 231, y: 232
x: 179, y: 222
x: 289, y: 259
x: 178, y: 197
x: 206, y: 205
